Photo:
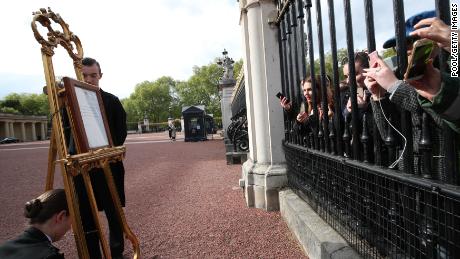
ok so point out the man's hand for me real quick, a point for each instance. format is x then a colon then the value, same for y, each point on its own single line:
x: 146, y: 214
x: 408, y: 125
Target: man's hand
x: 287, y: 105
x: 301, y: 117
x: 382, y: 74
x: 436, y: 31
x: 374, y: 88
x: 361, y: 103
x: 430, y: 84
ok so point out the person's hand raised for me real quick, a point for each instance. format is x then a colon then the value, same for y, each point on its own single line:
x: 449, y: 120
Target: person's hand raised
x: 285, y: 103
x: 360, y: 101
x: 430, y: 84
x: 302, y: 117
x: 382, y: 74
x: 374, y: 88
x: 436, y: 31
x: 349, y: 105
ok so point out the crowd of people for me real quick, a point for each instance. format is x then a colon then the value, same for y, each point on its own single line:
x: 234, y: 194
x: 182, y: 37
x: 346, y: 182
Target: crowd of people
x: 431, y: 99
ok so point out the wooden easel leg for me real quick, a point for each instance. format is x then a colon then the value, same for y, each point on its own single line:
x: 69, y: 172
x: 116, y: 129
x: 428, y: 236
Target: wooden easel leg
x: 94, y: 211
x: 120, y: 214
x: 52, y: 152
x: 74, y: 210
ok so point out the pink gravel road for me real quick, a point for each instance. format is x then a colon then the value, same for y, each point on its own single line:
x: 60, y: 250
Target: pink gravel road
x: 182, y: 201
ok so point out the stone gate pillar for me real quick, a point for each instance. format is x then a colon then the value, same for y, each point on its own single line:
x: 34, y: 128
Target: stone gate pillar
x: 226, y: 85
x: 226, y: 89
x: 264, y: 173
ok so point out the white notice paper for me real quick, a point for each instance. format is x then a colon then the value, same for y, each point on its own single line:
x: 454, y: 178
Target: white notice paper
x: 92, y: 118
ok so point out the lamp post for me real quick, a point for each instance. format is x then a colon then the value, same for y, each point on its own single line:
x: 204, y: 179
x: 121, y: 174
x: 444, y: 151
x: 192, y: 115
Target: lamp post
x: 227, y: 64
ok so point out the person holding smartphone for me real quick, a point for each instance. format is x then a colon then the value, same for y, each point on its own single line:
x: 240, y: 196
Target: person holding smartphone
x: 389, y: 95
x: 308, y: 94
x: 305, y: 119
x: 434, y: 93
x: 435, y: 90
x: 362, y: 97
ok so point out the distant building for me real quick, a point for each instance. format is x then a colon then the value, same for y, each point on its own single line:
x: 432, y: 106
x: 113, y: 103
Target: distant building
x: 23, y: 127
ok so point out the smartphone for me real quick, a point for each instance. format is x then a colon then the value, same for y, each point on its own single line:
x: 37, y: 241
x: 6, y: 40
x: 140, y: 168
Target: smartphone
x: 391, y: 62
x: 373, y: 59
x: 280, y: 96
x: 421, y: 53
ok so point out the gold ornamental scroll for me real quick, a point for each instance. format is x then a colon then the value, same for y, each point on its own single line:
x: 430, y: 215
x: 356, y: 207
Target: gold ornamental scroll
x: 59, y: 153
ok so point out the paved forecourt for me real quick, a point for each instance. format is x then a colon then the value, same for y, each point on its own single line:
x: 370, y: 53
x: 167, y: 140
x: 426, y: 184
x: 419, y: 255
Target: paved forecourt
x: 182, y: 200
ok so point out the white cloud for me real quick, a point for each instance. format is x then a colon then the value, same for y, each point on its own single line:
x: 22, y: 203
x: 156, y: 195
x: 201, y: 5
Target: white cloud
x: 142, y: 40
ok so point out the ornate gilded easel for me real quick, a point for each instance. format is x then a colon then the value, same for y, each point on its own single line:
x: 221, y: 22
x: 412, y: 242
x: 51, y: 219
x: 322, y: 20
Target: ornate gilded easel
x: 81, y: 163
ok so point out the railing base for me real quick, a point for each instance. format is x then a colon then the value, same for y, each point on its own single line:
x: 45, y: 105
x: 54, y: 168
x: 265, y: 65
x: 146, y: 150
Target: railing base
x: 316, y: 237
x: 262, y: 184
x: 236, y: 157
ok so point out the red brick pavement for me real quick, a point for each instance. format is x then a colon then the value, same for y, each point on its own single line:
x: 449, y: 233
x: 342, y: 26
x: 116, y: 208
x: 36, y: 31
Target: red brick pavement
x: 182, y: 201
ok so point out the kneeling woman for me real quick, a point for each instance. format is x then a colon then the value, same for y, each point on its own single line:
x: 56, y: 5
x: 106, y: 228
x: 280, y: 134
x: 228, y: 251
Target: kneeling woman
x: 49, y: 221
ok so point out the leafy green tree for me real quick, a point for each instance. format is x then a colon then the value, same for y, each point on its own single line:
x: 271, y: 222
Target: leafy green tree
x: 165, y: 97
x: 388, y: 53
x: 341, y: 55
x: 27, y: 104
x: 151, y: 99
x: 202, y: 88
x: 9, y: 110
x: 237, y: 67
x: 132, y: 114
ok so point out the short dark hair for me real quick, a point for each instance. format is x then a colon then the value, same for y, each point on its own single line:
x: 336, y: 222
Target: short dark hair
x: 360, y: 57
x: 42, y: 208
x: 91, y: 61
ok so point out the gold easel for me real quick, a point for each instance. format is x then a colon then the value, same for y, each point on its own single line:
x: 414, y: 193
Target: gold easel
x: 82, y: 163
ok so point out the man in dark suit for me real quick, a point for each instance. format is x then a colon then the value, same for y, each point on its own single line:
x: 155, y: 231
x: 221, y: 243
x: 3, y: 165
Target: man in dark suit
x: 116, y: 119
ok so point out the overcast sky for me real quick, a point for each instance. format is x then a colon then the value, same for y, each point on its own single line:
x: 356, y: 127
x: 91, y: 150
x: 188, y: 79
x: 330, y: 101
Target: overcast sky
x: 143, y: 40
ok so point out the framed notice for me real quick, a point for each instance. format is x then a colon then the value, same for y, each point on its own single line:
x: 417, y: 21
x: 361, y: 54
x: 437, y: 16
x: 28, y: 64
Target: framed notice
x: 87, y: 116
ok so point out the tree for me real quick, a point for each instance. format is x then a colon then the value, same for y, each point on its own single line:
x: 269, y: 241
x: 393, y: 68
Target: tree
x: 27, y: 104
x: 151, y: 99
x: 202, y: 88
x: 388, y: 53
x: 132, y: 114
x: 341, y: 55
x: 237, y: 67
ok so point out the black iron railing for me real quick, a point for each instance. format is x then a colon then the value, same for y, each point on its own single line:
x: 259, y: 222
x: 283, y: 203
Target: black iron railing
x: 237, y: 131
x: 340, y: 165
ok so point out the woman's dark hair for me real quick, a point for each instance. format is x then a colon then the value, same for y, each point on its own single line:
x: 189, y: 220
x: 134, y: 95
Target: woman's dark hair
x: 42, y: 208
x: 330, y: 101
